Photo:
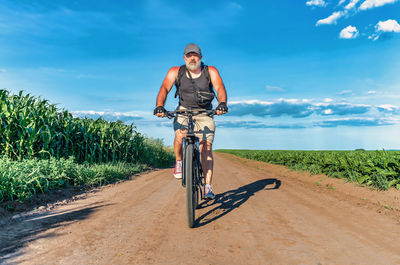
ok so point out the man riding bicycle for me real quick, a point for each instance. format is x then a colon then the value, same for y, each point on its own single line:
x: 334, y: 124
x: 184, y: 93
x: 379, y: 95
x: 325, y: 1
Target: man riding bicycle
x: 194, y: 82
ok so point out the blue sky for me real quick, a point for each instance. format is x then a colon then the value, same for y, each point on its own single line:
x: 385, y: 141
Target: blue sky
x: 312, y: 74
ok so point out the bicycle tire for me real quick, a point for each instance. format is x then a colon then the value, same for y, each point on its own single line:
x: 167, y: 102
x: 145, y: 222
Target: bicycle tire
x: 190, y: 185
x: 183, y: 167
x: 196, y: 198
x: 197, y: 184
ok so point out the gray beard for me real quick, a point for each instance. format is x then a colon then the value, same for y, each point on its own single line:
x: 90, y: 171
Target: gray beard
x: 193, y: 67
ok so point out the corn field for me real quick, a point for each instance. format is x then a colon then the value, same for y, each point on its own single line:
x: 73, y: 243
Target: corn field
x: 380, y: 169
x: 43, y: 148
x: 31, y: 127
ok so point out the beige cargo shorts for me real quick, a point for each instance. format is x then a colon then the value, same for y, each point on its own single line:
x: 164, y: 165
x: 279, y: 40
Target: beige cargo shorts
x: 204, y: 126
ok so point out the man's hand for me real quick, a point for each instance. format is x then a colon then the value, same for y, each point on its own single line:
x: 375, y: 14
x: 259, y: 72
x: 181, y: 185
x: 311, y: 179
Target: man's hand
x: 222, y: 108
x: 160, y: 111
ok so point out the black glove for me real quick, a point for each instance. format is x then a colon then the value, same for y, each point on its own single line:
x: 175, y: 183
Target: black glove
x: 159, y: 109
x: 222, y: 107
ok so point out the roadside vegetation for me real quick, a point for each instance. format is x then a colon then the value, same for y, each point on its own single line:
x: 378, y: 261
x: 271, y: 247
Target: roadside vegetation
x: 378, y: 169
x: 44, y: 148
x: 20, y: 180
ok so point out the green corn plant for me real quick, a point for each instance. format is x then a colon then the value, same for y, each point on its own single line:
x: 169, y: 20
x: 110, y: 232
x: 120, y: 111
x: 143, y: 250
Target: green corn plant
x: 32, y: 127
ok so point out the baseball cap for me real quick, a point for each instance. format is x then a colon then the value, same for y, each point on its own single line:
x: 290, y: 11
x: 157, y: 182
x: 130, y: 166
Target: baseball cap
x: 191, y: 47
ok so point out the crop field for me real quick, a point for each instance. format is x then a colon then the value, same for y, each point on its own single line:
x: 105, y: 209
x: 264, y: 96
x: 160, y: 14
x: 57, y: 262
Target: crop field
x: 32, y: 127
x: 43, y: 147
x: 379, y: 169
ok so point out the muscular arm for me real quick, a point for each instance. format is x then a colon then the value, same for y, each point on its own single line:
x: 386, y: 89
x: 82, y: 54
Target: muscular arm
x: 167, y: 85
x: 218, y: 84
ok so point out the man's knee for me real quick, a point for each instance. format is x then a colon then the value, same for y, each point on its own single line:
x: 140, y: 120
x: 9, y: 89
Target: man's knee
x: 179, y: 134
x: 205, y: 146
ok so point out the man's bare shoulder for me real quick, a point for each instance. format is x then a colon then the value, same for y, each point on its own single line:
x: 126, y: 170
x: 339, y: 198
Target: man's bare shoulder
x: 173, y: 72
x: 174, y: 69
x: 213, y: 71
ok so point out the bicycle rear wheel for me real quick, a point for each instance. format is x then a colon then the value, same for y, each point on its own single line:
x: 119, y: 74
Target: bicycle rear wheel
x: 190, y: 185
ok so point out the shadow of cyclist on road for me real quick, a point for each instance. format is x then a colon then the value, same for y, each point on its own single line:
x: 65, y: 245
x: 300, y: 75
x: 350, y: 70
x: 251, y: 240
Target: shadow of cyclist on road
x: 233, y: 199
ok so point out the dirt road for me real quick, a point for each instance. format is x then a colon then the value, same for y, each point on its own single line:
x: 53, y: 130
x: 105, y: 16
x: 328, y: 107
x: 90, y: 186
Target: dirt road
x: 263, y: 214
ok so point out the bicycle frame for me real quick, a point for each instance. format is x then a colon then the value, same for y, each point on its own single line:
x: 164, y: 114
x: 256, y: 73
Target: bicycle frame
x: 191, y: 138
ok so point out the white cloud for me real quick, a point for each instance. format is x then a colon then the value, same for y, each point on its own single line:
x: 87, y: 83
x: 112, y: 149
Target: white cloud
x: 235, y: 5
x: 332, y: 122
x: 251, y: 102
x: 374, y: 37
x: 51, y: 70
x: 316, y: 3
x: 375, y: 3
x: 389, y: 25
x: 274, y: 88
x: 356, y: 122
x: 3, y: 70
x: 341, y: 2
x: 291, y: 100
x: 388, y: 107
x: 296, y: 108
x: 88, y: 76
x: 349, y: 32
x: 101, y: 113
x: 109, y: 115
x: 331, y: 19
x: 352, y: 4
x: 32, y: 21
x: 345, y: 92
x: 371, y: 92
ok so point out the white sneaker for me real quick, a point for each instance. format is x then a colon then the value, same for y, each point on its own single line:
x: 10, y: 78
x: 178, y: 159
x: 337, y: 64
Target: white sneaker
x: 208, y: 192
x: 178, y: 169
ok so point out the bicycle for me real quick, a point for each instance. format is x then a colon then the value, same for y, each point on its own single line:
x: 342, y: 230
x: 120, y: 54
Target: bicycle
x: 192, y: 173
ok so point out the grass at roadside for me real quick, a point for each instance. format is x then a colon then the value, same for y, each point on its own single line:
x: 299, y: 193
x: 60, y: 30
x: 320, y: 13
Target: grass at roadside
x: 379, y: 169
x: 21, y: 180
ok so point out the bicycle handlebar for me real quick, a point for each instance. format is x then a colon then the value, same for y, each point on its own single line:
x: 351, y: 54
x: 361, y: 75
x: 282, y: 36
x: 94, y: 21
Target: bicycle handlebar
x: 172, y: 114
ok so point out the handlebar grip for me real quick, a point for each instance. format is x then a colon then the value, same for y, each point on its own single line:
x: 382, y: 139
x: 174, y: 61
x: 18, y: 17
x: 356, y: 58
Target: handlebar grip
x: 211, y: 113
x: 169, y: 115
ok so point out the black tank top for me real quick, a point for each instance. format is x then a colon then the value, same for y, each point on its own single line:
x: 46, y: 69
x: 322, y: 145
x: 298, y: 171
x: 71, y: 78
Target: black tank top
x: 187, y: 98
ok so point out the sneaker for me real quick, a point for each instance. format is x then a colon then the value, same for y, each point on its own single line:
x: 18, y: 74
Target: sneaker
x: 209, y: 195
x: 178, y: 169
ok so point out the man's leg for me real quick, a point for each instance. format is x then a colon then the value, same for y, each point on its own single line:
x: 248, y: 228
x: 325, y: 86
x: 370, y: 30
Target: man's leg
x: 179, y: 134
x: 206, y: 160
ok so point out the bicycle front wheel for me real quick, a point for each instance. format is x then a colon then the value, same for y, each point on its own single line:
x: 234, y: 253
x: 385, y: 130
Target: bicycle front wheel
x: 190, y: 185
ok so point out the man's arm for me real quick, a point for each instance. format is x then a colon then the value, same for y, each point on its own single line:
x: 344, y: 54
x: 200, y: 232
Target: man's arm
x: 218, y: 86
x: 166, y: 88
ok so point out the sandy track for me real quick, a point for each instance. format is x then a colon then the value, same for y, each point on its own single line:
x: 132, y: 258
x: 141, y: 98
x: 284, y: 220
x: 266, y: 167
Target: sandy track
x: 263, y: 214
